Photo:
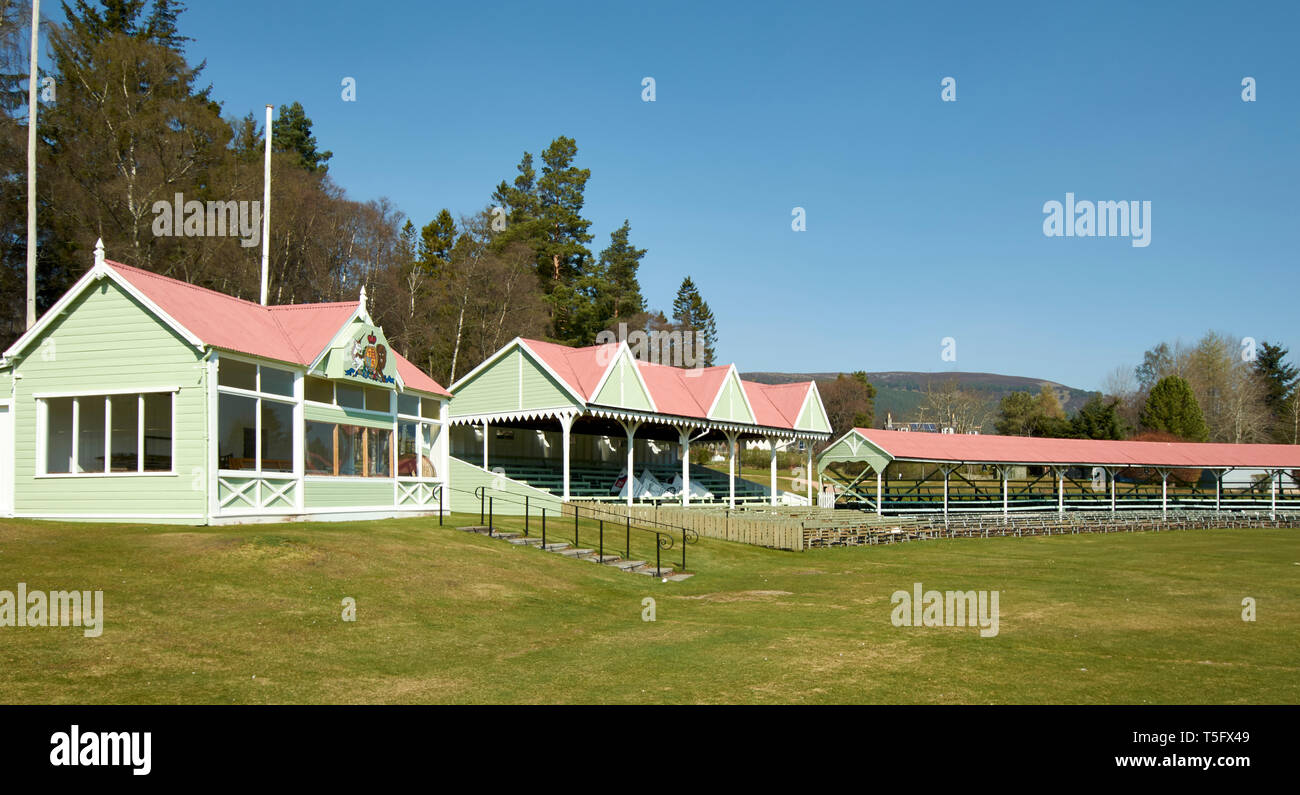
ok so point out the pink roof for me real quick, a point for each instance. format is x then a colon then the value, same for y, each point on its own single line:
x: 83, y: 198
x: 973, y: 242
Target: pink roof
x: 294, y: 333
x: 678, y: 391
x: 980, y: 448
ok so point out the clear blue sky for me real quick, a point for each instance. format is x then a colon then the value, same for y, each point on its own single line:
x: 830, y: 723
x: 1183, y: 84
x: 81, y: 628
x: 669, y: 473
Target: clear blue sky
x: 924, y: 218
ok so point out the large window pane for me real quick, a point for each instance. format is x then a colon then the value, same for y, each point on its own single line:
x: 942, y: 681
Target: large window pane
x: 409, y: 405
x: 90, y: 434
x: 58, y: 435
x: 320, y: 448
x: 124, y: 444
x: 277, y: 436
x: 408, y: 451
x: 351, y: 450
x: 277, y: 382
x: 237, y: 374
x: 320, y: 390
x: 158, y: 432
x: 380, y: 452
x: 349, y: 396
x: 429, y: 409
x: 237, y: 432
x: 429, y: 435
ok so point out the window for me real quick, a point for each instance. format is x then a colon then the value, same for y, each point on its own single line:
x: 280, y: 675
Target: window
x: 241, y: 375
x: 349, y: 396
x: 319, y: 390
x: 255, y: 432
x: 430, y: 409
x: 415, y: 451
x: 349, y: 450
x: 108, y: 434
x: 237, y: 432
x: 408, y: 405
x: 378, y: 400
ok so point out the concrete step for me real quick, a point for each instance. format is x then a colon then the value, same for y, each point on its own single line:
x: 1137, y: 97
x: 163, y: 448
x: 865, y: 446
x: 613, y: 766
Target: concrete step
x: 679, y: 577
x: 556, y: 547
x: 600, y: 558
x: 507, y: 536
x: 653, y: 572
x: 530, y: 542
x: 627, y: 565
x: 474, y: 529
x: 573, y: 552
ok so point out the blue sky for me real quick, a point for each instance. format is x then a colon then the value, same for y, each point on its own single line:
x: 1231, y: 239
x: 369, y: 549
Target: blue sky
x: 924, y: 218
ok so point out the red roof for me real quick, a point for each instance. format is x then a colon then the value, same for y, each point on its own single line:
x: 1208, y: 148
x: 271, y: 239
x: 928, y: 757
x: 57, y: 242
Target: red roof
x: 293, y: 333
x: 677, y: 391
x: 981, y: 448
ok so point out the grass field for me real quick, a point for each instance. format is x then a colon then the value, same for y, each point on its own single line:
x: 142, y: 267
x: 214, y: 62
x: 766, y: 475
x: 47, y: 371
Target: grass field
x: 253, y: 614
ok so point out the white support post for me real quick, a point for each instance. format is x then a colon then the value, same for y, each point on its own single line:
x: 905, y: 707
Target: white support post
x: 1004, y: 492
x: 808, y: 472
x: 1060, y: 491
x: 771, y: 440
x: 1110, y: 473
x: 485, y: 444
x: 566, y: 426
x: 1164, y: 494
x: 631, y: 427
x: 732, y: 436
x: 1273, y: 481
x: 1218, y: 490
x: 684, y: 438
x: 879, y: 508
x: 946, y: 470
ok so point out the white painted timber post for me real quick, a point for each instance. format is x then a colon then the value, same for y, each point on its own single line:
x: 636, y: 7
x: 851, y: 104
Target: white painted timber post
x: 809, y: 471
x: 630, y: 427
x: 1164, y: 494
x: 879, y: 508
x: 732, y: 436
x: 1218, y: 490
x: 1004, y: 492
x: 771, y: 440
x: 684, y: 437
x: 1060, y: 491
x: 1273, y: 481
x: 485, y: 444
x: 566, y: 426
x: 1111, y: 474
x: 946, y: 470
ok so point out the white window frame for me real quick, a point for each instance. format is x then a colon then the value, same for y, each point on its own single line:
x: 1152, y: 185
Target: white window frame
x: 42, y: 432
x: 295, y: 401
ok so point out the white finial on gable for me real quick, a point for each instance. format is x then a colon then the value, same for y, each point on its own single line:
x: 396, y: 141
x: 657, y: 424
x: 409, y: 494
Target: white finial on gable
x: 99, y: 252
x: 363, y: 299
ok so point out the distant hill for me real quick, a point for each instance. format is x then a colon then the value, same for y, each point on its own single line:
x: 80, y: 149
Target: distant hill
x: 901, y: 393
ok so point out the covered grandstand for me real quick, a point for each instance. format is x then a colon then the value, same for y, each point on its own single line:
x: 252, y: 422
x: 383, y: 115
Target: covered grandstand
x: 596, y: 423
x: 1026, y: 473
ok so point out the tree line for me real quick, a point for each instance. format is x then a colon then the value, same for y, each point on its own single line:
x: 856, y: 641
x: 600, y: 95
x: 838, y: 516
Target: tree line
x: 130, y: 124
x: 1221, y: 389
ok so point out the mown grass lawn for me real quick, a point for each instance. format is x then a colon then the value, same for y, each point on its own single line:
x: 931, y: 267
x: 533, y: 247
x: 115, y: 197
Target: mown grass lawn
x: 252, y: 614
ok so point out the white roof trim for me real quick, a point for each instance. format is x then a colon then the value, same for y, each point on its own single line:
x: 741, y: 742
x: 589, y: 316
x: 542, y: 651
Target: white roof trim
x: 100, y: 270
x: 821, y: 407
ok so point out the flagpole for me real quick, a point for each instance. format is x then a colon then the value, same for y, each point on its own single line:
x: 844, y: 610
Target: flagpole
x: 31, y: 167
x: 266, y: 207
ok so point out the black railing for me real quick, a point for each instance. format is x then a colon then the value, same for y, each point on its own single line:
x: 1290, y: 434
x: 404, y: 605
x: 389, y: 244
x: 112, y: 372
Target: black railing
x: 665, y: 536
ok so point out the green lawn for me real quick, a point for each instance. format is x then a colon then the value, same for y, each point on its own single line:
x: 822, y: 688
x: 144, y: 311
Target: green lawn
x: 252, y: 614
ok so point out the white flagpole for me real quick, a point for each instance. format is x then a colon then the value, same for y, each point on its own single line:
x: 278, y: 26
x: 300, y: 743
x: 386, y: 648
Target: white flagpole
x: 266, y: 207
x: 31, y: 167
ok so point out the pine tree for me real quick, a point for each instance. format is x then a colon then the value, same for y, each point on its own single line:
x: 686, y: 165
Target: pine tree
x: 291, y: 132
x: 1098, y: 420
x: 1279, y: 379
x: 692, y: 312
x: 436, y: 241
x: 1172, y: 408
